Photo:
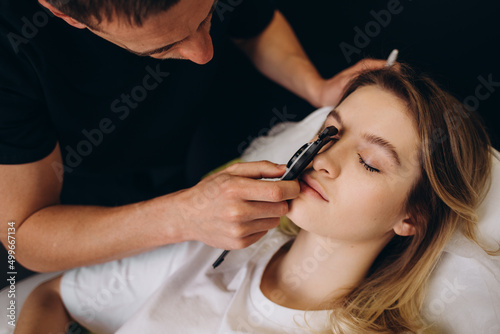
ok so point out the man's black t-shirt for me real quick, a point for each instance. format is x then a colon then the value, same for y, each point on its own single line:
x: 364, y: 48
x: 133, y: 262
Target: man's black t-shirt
x: 123, y: 122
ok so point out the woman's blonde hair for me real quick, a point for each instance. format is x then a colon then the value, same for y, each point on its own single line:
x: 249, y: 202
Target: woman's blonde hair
x: 455, y: 162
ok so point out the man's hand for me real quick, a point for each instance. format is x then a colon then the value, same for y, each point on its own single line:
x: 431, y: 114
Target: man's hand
x: 277, y: 53
x: 330, y: 91
x: 233, y: 208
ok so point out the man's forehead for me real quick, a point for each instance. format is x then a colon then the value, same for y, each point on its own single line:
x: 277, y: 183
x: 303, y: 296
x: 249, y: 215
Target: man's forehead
x: 170, y: 26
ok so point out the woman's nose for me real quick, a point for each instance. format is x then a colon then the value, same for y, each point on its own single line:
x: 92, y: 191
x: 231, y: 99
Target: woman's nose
x: 198, y: 47
x: 327, y: 162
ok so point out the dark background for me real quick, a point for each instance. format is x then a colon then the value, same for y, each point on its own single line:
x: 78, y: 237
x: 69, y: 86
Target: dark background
x: 454, y: 41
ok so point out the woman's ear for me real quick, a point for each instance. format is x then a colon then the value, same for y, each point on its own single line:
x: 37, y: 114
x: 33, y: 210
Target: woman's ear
x: 58, y: 13
x: 405, y: 228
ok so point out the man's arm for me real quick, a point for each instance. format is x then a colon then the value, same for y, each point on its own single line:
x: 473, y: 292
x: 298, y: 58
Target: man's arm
x: 50, y: 236
x: 277, y: 53
x: 230, y: 209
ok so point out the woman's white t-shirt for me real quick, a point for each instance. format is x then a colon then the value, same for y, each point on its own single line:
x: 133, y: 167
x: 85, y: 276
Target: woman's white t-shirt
x: 174, y: 289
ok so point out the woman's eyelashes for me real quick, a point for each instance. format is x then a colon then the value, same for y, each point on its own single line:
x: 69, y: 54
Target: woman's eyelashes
x: 366, y: 166
x: 361, y: 160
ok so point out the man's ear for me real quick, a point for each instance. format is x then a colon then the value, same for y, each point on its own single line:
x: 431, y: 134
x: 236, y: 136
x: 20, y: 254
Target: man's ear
x: 58, y: 13
x: 405, y: 228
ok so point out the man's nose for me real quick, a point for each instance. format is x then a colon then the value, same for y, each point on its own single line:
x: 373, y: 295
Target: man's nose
x: 198, y: 48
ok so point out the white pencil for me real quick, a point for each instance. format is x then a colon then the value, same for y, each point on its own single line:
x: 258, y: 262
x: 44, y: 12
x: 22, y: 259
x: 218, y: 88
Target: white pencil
x: 391, y: 60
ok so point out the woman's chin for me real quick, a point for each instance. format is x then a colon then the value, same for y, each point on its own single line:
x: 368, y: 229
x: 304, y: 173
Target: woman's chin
x: 296, y: 213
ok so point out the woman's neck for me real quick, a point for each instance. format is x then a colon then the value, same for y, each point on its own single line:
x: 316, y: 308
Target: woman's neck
x: 316, y: 269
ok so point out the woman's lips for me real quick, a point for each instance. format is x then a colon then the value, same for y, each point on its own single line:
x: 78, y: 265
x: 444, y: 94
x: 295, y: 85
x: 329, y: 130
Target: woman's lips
x: 309, y: 186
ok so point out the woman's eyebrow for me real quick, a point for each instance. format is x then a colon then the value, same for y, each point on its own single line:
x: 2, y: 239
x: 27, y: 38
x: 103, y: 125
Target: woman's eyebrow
x: 336, y: 116
x: 383, y: 143
x: 371, y: 138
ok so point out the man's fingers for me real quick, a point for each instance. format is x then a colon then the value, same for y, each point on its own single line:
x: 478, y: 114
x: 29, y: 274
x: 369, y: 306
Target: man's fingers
x: 241, y: 181
x: 266, y: 191
x: 251, y: 211
x: 263, y: 210
x: 239, y: 207
x: 249, y: 240
x: 262, y: 225
x: 257, y: 169
x: 243, y: 230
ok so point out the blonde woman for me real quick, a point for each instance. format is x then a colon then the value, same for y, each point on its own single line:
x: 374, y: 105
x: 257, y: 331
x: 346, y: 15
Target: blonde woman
x: 377, y: 205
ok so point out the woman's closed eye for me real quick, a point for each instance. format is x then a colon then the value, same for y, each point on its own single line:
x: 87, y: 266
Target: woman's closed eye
x: 361, y: 160
x: 366, y: 166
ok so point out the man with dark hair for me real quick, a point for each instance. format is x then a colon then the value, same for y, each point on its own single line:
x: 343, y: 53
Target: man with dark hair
x: 93, y: 138
x: 90, y: 12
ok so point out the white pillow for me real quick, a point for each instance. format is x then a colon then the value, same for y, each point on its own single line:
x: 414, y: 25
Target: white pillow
x: 464, y: 290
